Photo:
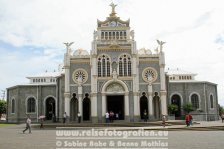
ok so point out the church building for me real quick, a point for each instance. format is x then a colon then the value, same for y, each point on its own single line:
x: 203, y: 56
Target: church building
x: 113, y: 76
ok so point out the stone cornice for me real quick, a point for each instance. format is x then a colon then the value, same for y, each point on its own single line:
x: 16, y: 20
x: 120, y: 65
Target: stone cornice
x: 93, y: 94
x: 135, y: 93
x: 148, y: 60
x: 67, y: 95
x: 114, y: 49
x: 163, y: 93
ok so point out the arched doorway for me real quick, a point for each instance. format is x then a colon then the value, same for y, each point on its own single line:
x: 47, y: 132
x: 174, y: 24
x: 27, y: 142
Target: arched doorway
x: 73, y: 108
x: 112, y: 90
x: 143, y: 105
x: 115, y: 104
x: 156, y: 106
x: 86, y: 106
x: 50, y: 108
x: 175, y: 99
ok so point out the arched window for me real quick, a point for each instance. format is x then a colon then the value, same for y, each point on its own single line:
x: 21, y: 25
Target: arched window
x: 120, y: 68
x: 104, y: 66
x: 129, y: 67
x: 13, y: 106
x: 195, y: 101
x: 125, y: 65
x: 31, y: 105
x: 99, y: 68
x: 211, y: 101
x: 108, y: 67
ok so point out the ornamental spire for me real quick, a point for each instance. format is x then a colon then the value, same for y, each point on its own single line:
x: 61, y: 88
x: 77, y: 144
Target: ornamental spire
x: 113, y: 13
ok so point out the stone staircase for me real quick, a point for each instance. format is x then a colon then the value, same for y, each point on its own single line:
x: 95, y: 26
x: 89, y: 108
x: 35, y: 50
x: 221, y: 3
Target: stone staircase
x: 175, y: 125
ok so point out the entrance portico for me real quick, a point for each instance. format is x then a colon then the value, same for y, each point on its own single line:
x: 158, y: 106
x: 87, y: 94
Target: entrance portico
x: 118, y: 91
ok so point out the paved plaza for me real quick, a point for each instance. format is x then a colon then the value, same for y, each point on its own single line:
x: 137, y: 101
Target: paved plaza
x: 11, y: 137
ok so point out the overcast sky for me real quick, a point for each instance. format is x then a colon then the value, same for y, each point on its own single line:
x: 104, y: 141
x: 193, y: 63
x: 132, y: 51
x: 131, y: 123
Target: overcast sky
x: 32, y: 33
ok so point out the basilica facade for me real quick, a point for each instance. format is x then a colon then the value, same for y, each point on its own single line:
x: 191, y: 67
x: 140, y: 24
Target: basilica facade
x: 113, y: 76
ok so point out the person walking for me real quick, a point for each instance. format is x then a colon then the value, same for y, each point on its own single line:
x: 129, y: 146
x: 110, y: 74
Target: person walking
x: 191, y: 120
x: 187, y: 119
x: 28, y: 125
x: 64, y: 117
x: 79, y: 117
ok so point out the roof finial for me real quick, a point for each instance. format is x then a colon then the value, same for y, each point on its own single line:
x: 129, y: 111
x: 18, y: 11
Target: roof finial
x: 113, y: 13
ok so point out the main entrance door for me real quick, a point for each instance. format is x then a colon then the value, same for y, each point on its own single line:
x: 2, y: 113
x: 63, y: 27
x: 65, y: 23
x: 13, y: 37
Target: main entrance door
x: 116, y: 104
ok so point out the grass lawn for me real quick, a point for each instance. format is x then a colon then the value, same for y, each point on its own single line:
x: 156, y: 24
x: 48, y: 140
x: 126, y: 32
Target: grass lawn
x: 3, y: 125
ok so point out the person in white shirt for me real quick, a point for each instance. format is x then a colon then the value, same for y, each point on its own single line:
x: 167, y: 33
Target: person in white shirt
x: 79, y: 117
x: 107, y: 117
x: 28, y: 125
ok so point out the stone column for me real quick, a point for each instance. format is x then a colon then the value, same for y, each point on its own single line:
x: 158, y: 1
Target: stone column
x: 94, y: 108
x: 94, y: 89
x: 163, y: 83
x: 103, y: 106
x: 164, y: 102
x: 136, y: 106
x: 126, y: 104
x: 150, y: 101
x: 67, y: 103
x: 135, y: 84
x: 67, y: 83
x: 80, y: 100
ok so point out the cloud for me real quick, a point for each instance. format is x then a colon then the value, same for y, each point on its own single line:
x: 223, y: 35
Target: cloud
x: 32, y: 33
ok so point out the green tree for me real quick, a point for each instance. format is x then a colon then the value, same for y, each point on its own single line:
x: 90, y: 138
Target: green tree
x: 188, y: 107
x: 2, y: 107
x: 172, y: 108
x: 221, y: 109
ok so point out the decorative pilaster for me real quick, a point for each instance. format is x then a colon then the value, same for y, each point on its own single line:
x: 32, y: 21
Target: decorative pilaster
x: 126, y: 103
x: 162, y: 78
x: 94, y: 107
x: 67, y: 103
x: 67, y: 77
x: 163, y: 102
x: 80, y: 96
x: 103, y: 105
x: 150, y: 106
x: 136, y: 105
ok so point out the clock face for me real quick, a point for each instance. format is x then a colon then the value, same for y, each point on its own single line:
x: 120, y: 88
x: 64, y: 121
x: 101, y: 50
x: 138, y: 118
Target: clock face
x: 113, y: 24
x: 149, y: 75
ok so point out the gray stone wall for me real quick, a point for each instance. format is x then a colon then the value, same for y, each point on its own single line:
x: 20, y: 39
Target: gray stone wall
x: 21, y: 94
x: 203, y: 90
x: 13, y: 94
x: 143, y: 65
x: 85, y: 66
